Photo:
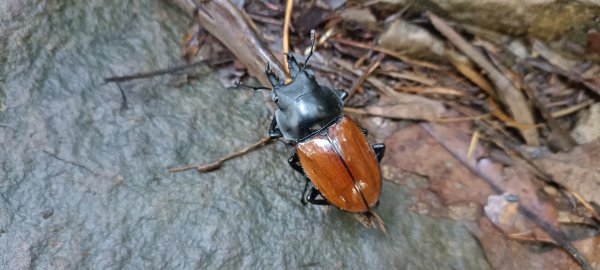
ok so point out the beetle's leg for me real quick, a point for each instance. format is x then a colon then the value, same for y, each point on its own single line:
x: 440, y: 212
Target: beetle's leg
x: 364, y: 131
x: 303, y: 197
x: 253, y: 87
x: 292, y: 65
x: 313, y: 193
x: 379, y: 149
x: 271, y: 75
x: 295, y: 163
x: 274, y: 132
x: 343, y: 95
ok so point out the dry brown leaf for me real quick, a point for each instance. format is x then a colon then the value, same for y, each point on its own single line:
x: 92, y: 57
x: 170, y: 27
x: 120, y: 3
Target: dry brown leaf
x: 192, y: 40
x: 590, y: 249
x: 578, y: 170
x: 412, y: 40
x: 459, y: 187
x: 503, y: 212
x: 416, y: 151
x: 505, y: 254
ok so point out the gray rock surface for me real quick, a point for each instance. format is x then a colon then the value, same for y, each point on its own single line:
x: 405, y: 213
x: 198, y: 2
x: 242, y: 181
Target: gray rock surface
x: 84, y: 185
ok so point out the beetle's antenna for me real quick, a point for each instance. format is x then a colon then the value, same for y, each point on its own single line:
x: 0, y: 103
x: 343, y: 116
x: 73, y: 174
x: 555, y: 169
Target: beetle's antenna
x: 241, y: 84
x: 312, y: 46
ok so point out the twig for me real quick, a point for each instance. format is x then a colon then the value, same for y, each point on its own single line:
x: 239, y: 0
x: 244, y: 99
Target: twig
x: 352, y: 110
x: 356, y: 83
x: 473, y: 144
x: 265, y: 19
x: 388, y: 52
x: 53, y: 155
x: 207, y: 167
x: 407, y: 75
x: 151, y: 74
x: 470, y: 73
x: 572, y: 109
x: 506, y: 119
x: 378, y: 84
x: 432, y: 90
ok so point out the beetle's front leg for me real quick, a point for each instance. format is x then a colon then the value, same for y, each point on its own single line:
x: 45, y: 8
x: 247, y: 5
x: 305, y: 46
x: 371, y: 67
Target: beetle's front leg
x: 274, y: 132
x: 295, y: 163
x: 343, y: 95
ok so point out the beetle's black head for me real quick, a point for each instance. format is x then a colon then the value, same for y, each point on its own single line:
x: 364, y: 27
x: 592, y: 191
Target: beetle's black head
x: 305, y: 107
x: 303, y: 82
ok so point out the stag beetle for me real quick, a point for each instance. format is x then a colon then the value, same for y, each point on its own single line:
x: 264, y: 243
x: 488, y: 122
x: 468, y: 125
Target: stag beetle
x: 332, y: 152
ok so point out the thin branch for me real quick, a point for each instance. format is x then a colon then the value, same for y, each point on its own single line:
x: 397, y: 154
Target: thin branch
x: 154, y: 73
x: 360, y: 80
x: 211, y: 166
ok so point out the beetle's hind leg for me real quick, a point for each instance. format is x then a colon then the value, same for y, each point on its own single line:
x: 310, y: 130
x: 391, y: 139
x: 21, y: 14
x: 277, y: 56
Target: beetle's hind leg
x: 294, y: 162
x: 313, y: 193
x: 379, y: 149
x: 364, y: 131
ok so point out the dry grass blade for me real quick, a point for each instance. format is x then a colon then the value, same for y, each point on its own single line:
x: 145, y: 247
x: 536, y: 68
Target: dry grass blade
x: 356, y: 84
x: 572, y: 109
x: 506, y: 119
x: 508, y: 93
x: 381, y: 86
x: 407, y: 75
x: 388, y: 52
x: 432, y: 90
x: 474, y: 76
